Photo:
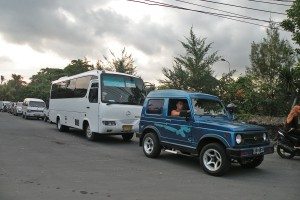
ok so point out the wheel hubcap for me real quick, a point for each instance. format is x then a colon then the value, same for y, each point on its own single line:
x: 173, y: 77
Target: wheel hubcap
x: 148, y: 145
x: 212, y: 160
x: 88, y: 132
x: 58, y: 124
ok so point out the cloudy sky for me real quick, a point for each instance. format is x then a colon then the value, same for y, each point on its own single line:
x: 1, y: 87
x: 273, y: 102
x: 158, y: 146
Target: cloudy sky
x: 49, y: 33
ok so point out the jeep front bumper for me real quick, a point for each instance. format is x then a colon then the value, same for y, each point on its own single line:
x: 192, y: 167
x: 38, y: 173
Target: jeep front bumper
x: 250, y: 152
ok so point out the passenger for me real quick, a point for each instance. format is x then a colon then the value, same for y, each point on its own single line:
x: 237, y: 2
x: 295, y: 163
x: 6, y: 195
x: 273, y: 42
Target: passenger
x: 179, y: 109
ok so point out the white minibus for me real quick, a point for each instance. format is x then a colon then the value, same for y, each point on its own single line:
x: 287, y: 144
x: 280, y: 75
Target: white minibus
x: 33, y: 107
x: 98, y: 102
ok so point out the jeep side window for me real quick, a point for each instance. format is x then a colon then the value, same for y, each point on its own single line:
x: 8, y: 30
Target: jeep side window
x: 173, y: 103
x: 155, y: 106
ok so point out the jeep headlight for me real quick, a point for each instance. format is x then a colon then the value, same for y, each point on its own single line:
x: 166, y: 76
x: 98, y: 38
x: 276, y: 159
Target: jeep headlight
x: 238, y: 139
x: 265, y: 137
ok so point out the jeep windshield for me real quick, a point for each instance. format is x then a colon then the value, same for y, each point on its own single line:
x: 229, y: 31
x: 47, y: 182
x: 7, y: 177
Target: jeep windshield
x: 122, y: 89
x: 209, y: 107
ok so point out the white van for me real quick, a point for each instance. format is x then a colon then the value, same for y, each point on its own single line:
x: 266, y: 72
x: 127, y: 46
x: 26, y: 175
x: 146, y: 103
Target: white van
x: 3, y: 103
x: 33, y: 108
x: 98, y: 102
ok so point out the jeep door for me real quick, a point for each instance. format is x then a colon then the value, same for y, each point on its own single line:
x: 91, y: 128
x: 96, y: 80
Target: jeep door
x: 178, y: 129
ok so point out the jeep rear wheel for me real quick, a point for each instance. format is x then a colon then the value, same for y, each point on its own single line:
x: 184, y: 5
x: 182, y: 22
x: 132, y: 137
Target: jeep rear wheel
x: 213, y: 159
x: 252, y: 163
x: 151, y: 146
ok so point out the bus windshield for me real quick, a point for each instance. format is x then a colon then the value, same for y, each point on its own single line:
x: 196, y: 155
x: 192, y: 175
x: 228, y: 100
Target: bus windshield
x: 121, y: 89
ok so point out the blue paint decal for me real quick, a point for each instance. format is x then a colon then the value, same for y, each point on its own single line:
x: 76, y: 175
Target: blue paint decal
x: 181, y: 132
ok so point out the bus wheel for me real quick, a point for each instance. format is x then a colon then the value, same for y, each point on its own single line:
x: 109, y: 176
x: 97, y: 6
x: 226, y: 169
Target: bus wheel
x: 60, y: 127
x: 127, y: 137
x: 88, y: 133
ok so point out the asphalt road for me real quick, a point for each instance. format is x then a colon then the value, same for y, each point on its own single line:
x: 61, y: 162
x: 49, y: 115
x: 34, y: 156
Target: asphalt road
x: 37, y: 162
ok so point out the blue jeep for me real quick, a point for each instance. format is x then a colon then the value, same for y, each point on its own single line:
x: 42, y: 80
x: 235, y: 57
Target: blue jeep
x: 199, y: 124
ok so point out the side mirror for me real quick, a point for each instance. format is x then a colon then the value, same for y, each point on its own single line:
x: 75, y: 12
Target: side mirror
x: 231, y: 108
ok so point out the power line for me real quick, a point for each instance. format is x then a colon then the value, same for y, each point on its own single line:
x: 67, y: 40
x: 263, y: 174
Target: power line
x: 268, y: 2
x: 155, y: 3
x: 244, y: 7
x: 238, y: 15
x: 287, y: 1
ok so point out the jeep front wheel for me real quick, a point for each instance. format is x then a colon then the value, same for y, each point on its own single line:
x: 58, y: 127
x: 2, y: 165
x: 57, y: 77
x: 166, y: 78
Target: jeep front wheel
x: 213, y: 159
x: 151, y: 146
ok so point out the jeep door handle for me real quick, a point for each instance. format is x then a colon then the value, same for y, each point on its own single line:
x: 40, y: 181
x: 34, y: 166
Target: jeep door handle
x: 87, y: 107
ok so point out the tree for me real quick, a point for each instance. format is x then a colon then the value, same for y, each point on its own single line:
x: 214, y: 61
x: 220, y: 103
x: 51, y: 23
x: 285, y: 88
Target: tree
x: 123, y: 64
x: 78, y: 66
x: 192, y: 71
x: 40, y: 84
x: 269, y: 59
x: 292, y: 23
x: 2, y: 79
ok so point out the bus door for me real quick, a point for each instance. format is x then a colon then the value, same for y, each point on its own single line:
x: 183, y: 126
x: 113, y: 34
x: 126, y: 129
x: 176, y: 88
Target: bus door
x: 92, y: 105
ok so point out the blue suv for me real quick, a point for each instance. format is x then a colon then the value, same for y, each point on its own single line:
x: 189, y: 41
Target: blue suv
x: 199, y: 124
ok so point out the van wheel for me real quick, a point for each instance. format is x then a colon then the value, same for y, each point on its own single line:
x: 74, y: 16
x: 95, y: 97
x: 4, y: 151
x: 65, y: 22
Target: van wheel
x: 151, y: 146
x: 88, y: 133
x: 255, y: 162
x: 213, y: 159
x: 60, y: 127
x: 127, y: 137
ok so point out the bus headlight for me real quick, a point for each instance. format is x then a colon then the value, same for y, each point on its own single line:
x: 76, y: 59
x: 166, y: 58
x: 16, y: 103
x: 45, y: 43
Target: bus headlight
x: 109, y: 123
x: 238, y: 139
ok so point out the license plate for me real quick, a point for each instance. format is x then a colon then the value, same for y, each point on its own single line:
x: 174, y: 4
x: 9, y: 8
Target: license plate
x: 258, y: 150
x: 127, y: 128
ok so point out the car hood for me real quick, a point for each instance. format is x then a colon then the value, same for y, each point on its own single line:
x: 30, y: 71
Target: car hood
x: 225, y: 124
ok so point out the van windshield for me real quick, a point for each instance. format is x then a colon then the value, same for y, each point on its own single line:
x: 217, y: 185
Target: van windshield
x: 36, y: 104
x: 208, y: 107
x: 121, y: 89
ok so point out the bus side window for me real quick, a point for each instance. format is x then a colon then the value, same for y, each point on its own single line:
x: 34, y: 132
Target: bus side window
x: 93, y: 94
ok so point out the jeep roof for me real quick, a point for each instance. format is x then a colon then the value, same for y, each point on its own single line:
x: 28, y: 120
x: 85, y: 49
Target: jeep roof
x: 179, y: 94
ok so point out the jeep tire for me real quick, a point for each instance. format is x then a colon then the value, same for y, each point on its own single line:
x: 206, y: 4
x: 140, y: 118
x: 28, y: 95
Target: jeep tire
x: 213, y: 159
x: 151, y: 145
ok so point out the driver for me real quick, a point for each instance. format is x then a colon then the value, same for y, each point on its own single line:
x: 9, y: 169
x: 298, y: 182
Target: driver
x: 179, y: 109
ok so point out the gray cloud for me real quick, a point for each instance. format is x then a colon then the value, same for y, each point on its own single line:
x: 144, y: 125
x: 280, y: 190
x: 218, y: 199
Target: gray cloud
x: 41, y: 25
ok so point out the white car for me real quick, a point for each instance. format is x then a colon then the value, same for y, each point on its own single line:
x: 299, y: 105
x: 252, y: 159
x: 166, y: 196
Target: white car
x: 17, y: 109
x: 33, y: 108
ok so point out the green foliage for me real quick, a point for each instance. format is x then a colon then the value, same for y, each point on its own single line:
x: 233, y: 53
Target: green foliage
x: 292, y: 23
x: 123, y: 64
x: 78, y: 66
x: 192, y: 71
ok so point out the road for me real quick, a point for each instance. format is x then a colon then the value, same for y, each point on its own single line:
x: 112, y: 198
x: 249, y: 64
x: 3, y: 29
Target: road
x: 37, y: 162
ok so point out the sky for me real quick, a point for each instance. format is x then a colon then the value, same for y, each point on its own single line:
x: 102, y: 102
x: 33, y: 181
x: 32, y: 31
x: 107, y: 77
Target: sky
x: 35, y: 34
